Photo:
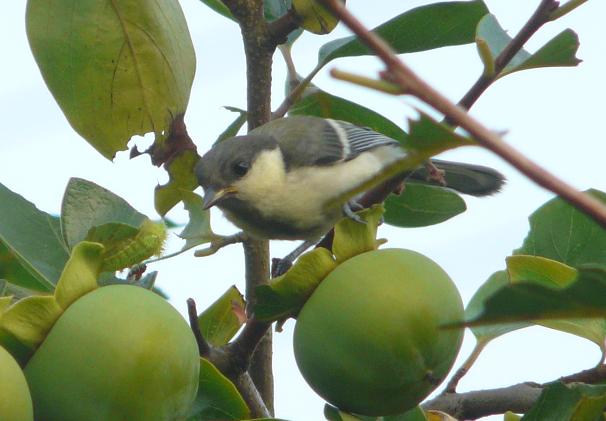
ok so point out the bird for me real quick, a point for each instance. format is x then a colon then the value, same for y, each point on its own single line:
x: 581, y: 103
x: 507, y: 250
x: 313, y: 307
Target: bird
x: 281, y: 180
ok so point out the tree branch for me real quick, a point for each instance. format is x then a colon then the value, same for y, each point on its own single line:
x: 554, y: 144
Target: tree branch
x: 399, y: 73
x: 541, y: 16
x: 518, y: 398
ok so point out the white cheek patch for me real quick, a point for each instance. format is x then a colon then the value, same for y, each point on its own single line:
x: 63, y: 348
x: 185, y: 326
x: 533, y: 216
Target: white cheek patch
x: 301, y: 194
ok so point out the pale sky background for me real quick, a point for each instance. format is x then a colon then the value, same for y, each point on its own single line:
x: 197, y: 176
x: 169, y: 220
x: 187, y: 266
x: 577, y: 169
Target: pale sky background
x: 553, y: 115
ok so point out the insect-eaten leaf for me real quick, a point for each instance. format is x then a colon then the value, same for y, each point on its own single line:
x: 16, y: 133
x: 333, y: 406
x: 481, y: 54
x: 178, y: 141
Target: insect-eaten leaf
x: 181, y: 181
x: 134, y: 69
x: 198, y: 230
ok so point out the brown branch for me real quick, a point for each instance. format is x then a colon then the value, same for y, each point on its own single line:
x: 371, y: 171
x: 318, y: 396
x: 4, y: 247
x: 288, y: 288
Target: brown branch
x: 518, y: 398
x: 541, y: 16
x: 283, y: 26
x: 251, y: 396
x: 203, y: 346
x: 402, y: 75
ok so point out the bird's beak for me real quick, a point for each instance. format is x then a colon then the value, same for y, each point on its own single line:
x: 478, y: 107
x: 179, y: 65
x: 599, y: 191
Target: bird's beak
x: 212, y: 197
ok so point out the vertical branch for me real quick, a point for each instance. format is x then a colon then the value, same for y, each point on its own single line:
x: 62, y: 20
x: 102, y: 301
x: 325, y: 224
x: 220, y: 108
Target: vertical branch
x: 259, y: 47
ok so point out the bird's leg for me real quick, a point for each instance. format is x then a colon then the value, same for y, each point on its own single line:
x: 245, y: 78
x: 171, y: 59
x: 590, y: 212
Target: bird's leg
x: 349, y: 210
x: 281, y: 266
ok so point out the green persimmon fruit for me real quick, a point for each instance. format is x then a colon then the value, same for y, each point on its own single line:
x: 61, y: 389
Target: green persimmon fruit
x: 369, y: 341
x: 15, y: 399
x: 119, y: 353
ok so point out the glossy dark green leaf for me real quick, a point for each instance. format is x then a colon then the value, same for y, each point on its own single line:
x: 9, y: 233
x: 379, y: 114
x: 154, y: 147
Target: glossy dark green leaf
x: 233, y: 129
x: 219, y: 7
x: 86, y: 205
x: 492, y: 40
x: 419, y: 206
x: 475, y: 307
x: 182, y: 181
x: 12, y: 270
x: 121, y: 68
x: 560, y: 232
x: 322, y: 104
x: 423, y: 28
x: 218, y: 398
x: 570, y: 402
x: 273, y: 9
x: 34, y: 238
x: 223, y: 318
x: 585, y: 297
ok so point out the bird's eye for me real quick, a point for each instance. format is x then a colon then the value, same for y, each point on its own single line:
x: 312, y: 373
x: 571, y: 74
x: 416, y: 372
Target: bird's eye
x: 240, y: 168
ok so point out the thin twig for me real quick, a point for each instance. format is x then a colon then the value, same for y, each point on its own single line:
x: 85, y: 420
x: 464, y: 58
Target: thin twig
x: 566, y: 8
x: 409, y: 81
x: 294, y: 95
x: 540, y: 16
x: 204, y: 347
x: 220, y: 242
x: 376, y: 84
x: 451, y: 387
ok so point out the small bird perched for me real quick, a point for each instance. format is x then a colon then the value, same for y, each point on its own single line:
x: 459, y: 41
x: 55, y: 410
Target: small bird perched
x: 280, y: 181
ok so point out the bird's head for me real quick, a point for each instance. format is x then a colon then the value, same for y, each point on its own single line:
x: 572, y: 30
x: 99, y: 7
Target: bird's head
x: 222, y: 169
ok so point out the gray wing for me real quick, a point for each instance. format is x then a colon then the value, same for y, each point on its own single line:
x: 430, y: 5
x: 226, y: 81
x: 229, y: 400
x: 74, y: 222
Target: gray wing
x: 307, y: 140
x: 354, y: 139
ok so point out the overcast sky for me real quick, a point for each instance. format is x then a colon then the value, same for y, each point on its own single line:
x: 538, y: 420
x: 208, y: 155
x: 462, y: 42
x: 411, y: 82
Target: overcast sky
x: 555, y: 116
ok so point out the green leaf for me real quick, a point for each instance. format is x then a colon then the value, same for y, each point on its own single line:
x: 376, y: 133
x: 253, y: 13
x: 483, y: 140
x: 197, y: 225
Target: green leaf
x: 220, y: 8
x: 181, y: 180
x: 423, y: 28
x: 432, y: 137
x: 122, y: 68
x: 333, y: 414
x: 222, y: 320
x: 585, y: 297
x: 322, y: 104
x: 217, y: 397
x: 87, y: 205
x: 28, y: 321
x: 419, y: 206
x: 273, y: 9
x: 550, y: 273
x: 475, y: 307
x: 491, y: 40
x: 558, y: 231
x: 34, y: 238
x: 80, y: 274
x: 198, y: 230
x: 12, y: 270
x: 572, y: 402
x: 285, y: 296
x: 353, y: 238
x: 233, y: 129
